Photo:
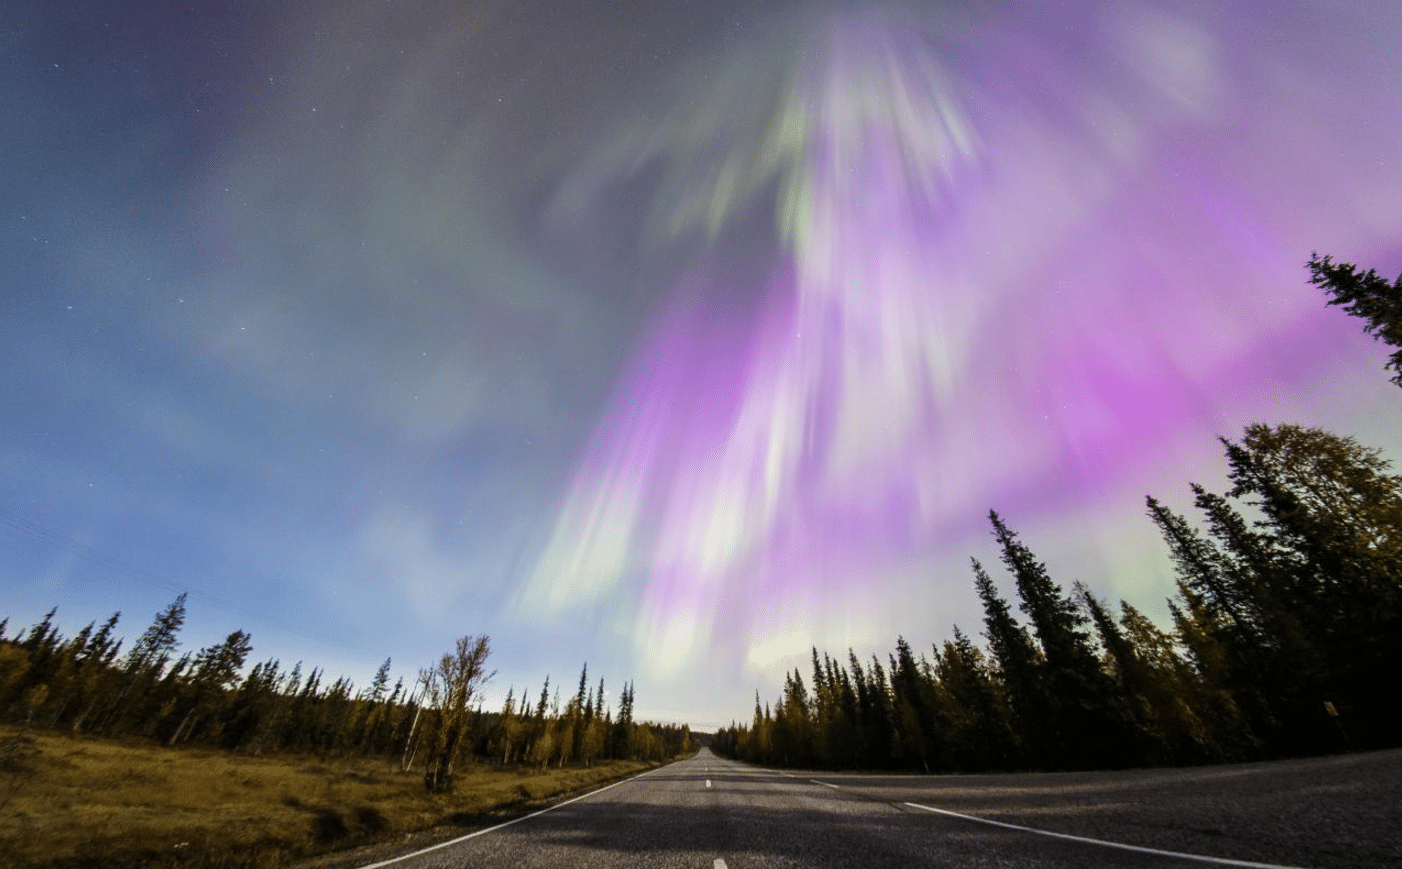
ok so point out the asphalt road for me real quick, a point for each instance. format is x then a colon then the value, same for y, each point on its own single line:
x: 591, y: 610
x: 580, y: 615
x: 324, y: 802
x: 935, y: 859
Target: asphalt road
x: 699, y: 811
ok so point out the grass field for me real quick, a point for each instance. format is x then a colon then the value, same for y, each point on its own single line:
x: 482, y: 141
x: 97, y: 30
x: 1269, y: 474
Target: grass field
x: 82, y: 802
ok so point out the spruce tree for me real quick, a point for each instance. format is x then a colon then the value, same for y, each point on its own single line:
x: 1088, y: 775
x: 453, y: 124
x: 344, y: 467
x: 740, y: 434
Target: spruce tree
x: 623, y: 725
x: 144, y: 663
x: 1334, y: 511
x: 917, y: 727
x: 1201, y: 566
x: 982, y: 736
x: 153, y: 648
x: 380, y: 684
x: 1019, y: 664
x: 1365, y: 295
x: 1086, y: 724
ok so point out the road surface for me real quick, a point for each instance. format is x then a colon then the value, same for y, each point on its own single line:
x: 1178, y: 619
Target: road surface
x: 711, y: 813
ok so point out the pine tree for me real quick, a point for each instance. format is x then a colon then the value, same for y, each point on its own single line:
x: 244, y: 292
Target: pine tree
x: 1195, y: 720
x: 846, y: 737
x: 14, y: 667
x: 981, y: 734
x: 43, y: 638
x: 1059, y: 625
x: 915, y: 705
x: 1275, y: 669
x: 1019, y: 664
x: 380, y: 684
x: 761, y: 746
x: 1365, y: 295
x: 883, y: 719
x: 574, y: 724
x: 1203, y: 569
x: 1141, y: 720
x: 793, y: 734
x: 153, y: 648
x: 504, y: 741
x: 95, y: 679
x: 216, y: 669
x: 1330, y: 500
x: 623, y: 727
x: 144, y: 663
x: 1334, y: 511
x: 870, y: 724
x: 544, y: 699
x: 1086, y: 725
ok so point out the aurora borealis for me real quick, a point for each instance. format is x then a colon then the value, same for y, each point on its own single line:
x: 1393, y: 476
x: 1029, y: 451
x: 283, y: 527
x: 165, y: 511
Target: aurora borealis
x: 675, y: 341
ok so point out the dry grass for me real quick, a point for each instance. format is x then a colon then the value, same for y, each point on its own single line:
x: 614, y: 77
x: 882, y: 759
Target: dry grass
x: 87, y: 802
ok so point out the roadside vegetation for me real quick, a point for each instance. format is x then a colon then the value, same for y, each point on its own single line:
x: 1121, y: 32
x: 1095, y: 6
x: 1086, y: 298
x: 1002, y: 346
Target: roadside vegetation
x: 154, y: 758
x: 84, y: 685
x: 1287, y: 630
x: 79, y: 802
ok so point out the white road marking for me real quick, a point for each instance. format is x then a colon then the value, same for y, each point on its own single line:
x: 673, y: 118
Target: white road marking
x: 719, y: 864
x: 498, y: 826
x: 825, y: 784
x: 1220, y: 861
x: 708, y: 782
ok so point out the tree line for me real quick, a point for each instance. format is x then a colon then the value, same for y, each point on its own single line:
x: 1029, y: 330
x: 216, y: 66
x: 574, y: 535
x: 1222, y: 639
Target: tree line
x: 1287, y: 629
x: 87, y: 685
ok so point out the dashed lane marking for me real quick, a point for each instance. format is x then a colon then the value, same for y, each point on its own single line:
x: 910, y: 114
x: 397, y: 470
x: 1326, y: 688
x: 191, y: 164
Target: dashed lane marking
x: 1219, y: 861
x: 719, y: 864
x: 825, y: 784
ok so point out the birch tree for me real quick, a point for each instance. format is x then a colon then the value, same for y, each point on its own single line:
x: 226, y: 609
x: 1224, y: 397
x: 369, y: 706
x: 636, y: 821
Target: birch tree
x: 451, y: 686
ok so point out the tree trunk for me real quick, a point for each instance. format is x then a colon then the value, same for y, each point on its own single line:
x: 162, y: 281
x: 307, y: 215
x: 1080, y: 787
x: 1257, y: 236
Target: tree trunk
x: 176, y: 736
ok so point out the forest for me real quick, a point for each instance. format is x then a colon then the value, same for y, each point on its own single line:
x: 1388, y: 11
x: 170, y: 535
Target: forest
x: 86, y: 685
x: 1287, y: 629
x: 1286, y: 634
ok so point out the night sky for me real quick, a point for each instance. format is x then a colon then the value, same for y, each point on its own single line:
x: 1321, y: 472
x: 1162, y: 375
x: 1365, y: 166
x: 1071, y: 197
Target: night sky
x: 672, y: 337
